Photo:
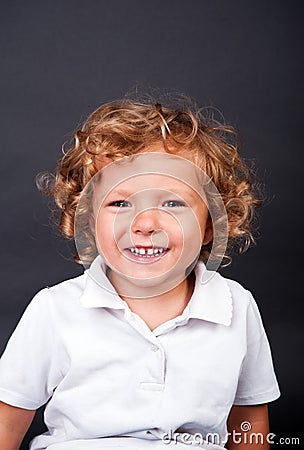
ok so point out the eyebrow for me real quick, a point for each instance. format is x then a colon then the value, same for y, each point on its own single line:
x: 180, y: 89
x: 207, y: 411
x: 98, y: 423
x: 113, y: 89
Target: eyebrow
x: 126, y: 194
x: 119, y: 192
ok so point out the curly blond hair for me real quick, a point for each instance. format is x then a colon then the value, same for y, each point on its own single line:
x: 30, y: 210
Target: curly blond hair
x: 126, y: 127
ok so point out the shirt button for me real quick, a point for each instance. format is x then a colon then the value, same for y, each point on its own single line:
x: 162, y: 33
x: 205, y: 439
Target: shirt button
x: 154, y: 348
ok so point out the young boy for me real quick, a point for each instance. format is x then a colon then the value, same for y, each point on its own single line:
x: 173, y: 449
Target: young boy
x: 148, y: 347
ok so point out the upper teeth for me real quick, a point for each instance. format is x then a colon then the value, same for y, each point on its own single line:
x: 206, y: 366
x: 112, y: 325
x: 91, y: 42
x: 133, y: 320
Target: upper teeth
x: 149, y: 251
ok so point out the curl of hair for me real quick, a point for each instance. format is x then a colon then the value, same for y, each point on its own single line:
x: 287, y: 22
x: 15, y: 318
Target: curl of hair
x: 125, y: 127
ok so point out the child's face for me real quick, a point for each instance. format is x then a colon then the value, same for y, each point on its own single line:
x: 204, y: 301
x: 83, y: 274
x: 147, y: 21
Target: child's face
x: 150, y: 222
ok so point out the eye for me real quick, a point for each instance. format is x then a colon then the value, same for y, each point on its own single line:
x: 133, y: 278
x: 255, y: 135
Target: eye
x: 174, y: 204
x: 120, y: 204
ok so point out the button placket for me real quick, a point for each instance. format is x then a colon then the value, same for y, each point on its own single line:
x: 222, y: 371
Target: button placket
x: 155, y: 368
x: 155, y: 373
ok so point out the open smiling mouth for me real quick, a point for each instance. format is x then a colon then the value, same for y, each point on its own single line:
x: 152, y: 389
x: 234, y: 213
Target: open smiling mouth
x: 146, y: 254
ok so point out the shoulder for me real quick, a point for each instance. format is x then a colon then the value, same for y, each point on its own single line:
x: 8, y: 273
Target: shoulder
x: 243, y: 301
x: 244, y: 304
x: 62, y: 295
x: 222, y: 286
x: 70, y: 287
x: 219, y: 299
x: 239, y: 293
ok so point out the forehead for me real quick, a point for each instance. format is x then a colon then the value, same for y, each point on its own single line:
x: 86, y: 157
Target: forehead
x: 141, y: 183
x: 150, y: 170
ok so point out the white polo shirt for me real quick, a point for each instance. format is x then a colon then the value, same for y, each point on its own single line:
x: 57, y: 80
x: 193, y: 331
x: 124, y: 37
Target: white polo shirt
x: 111, y: 382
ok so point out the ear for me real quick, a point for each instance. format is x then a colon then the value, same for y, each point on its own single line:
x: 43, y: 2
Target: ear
x: 208, y: 236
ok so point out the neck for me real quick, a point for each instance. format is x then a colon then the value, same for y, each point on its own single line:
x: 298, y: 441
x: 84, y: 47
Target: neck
x: 161, y: 308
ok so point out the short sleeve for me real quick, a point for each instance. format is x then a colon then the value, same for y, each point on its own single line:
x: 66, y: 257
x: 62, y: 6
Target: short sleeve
x: 257, y: 382
x: 28, y: 366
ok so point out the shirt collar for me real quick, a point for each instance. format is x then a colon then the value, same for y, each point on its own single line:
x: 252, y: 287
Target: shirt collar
x: 211, y: 299
x: 98, y: 291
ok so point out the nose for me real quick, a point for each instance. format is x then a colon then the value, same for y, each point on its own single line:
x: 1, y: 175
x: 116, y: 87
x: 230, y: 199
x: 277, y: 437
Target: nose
x: 146, y: 222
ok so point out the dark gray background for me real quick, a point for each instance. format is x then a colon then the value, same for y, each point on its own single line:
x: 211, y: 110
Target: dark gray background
x: 62, y: 59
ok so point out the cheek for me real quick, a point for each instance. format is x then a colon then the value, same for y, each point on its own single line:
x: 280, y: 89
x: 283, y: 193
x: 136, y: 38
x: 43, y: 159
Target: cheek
x: 111, y: 230
x: 104, y: 230
x: 190, y: 228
